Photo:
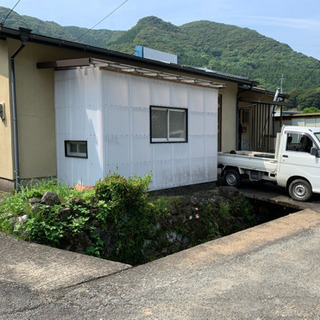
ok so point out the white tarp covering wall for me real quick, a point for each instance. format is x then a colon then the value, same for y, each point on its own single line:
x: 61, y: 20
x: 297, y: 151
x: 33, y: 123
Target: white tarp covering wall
x: 111, y: 111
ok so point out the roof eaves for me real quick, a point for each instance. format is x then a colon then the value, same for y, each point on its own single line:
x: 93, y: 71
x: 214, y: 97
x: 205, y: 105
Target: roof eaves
x: 268, y: 92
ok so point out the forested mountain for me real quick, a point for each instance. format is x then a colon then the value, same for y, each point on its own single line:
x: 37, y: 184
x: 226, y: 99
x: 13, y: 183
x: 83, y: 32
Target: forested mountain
x: 208, y: 44
x: 225, y: 48
x: 97, y: 38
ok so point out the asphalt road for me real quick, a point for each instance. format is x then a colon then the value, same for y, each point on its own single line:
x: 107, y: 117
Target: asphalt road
x: 270, y: 271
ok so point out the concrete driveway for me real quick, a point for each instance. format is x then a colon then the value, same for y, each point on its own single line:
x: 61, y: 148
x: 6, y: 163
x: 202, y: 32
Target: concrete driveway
x: 270, y: 271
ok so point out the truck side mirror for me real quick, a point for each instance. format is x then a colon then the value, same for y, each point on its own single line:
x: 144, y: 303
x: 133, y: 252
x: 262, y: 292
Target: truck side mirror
x: 315, y: 152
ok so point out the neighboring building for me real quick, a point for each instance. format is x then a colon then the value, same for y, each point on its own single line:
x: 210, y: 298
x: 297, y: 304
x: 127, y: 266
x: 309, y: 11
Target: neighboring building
x: 297, y: 119
x: 284, y: 118
x: 77, y: 112
x: 258, y: 128
x: 306, y: 119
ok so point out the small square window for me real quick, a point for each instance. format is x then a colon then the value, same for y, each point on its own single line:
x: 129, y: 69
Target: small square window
x: 245, y: 116
x: 168, y: 124
x: 76, y: 149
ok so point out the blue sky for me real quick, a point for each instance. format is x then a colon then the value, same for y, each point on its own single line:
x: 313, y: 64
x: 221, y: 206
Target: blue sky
x: 294, y: 22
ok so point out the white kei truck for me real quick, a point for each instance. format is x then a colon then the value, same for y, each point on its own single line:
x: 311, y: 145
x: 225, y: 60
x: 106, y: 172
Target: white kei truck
x: 295, y: 164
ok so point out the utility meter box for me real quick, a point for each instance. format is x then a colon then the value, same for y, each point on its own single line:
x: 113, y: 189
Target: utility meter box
x: 2, y: 116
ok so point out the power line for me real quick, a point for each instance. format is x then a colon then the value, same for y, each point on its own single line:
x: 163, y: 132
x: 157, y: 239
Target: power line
x: 102, y: 19
x: 2, y: 23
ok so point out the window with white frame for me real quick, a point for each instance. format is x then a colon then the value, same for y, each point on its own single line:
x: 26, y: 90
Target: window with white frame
x: 76, y: 149
x: 168, y: 124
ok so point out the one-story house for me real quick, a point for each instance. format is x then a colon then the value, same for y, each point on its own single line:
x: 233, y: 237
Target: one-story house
x: 77, y: 112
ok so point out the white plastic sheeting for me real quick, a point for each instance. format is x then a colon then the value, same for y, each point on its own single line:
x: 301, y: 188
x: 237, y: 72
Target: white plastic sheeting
x: 111, y: 111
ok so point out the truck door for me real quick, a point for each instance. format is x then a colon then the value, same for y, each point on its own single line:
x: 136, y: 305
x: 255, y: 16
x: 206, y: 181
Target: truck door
x: 295, y: 159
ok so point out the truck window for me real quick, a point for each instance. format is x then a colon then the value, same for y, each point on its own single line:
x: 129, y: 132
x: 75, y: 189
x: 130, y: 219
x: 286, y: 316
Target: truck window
x: 298, y: 142
x: 317, y: 134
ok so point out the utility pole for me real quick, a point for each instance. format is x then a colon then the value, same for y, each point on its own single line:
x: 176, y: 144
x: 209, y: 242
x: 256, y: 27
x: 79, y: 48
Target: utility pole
x: 281, y: 83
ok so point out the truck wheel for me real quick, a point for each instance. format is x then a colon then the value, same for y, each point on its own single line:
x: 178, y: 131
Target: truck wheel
x: 232, y: 178
x: 300, y: 190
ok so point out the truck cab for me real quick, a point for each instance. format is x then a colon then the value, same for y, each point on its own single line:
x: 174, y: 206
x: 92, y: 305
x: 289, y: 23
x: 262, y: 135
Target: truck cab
x: 295, y: 164
x: 299, y: 162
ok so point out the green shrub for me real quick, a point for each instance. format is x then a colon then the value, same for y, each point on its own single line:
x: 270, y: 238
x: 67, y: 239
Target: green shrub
x: 224, y: 210
x: 14, y: 205
x: 126, y: 211
x: 43, y: 226
x: 119, y: 220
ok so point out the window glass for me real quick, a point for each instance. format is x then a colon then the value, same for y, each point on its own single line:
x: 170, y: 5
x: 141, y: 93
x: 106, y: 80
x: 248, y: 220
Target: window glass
x: 177, y: 124
x: 168, y: 124
x: 159, y: 123
x: 76, y: 149
x: 245, y: 116
x: 82, y: 148
x: 298, y: 142
x: 73, y: 147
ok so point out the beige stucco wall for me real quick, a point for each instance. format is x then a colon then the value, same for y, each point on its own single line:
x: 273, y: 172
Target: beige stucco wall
x: 6, y: 165
x: 35, y: 108
x: 229, y: 116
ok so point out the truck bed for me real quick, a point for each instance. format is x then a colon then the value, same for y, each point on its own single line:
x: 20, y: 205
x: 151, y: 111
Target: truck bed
x: 250, y: 160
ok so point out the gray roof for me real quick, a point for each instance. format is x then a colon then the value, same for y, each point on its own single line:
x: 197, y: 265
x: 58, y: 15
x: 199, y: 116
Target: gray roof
x: 225, y: 74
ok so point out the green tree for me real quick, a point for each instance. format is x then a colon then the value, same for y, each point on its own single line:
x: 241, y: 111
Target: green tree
x: 310, y: 110
x: 310, y: 98
x: 293, y: 97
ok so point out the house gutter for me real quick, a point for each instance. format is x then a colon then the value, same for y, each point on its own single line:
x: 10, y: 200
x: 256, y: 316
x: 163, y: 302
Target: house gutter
x: 24, y: 35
